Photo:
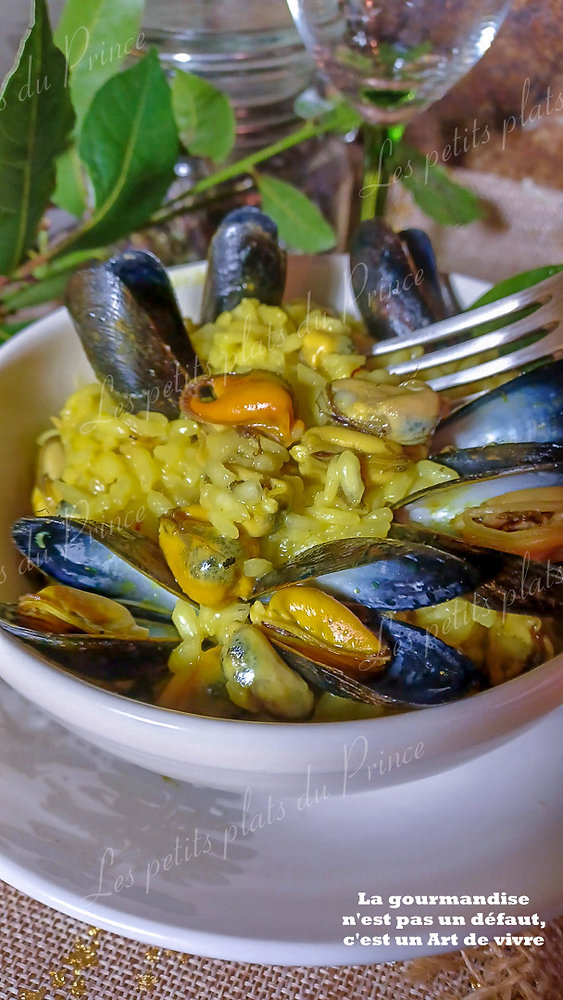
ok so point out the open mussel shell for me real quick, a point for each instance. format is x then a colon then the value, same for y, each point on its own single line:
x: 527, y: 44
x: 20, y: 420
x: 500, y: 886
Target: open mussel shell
x: 127, y: 317
x: 470, y: 463
x: 436, y: 506
x: 102, y: 559
x: 388, y: 574
x: 529, y: 408
x: 385, y: 287
x: 245, y: 260
x: 406, y: 413
x: 93, y: 657
x: 509, y: 582
x: 423, y: 671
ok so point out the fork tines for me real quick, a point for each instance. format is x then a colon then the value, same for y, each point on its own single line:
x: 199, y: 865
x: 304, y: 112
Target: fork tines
x: 546, y: 297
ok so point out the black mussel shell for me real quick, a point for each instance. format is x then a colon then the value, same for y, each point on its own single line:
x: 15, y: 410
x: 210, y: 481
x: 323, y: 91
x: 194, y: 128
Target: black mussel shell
x: 380, y: 573
x: 100, y: 658
x: 436, y: 506
x: 127, y: 317
x: 245, y: 260
x: 472, y: 463
x: 529, y: 409
x: 383, y: 282
x: 510, y: 584
x: 99, y: 558
x: 423, y: 671
x: 419, y: 247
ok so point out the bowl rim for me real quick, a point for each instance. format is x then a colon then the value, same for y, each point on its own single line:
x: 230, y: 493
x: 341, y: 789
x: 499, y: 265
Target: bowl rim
x: 525, y: 697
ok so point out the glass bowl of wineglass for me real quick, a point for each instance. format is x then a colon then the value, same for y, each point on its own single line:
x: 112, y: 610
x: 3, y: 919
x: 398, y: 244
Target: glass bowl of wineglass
x: 391, y: 59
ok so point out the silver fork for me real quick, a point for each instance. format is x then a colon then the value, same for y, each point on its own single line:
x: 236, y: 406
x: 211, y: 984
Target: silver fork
x: 546, y: 295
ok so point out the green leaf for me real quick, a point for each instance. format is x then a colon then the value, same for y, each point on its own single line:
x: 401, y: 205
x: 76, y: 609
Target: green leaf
x: 342, y: 118
x: 514, y: 284
x: 39, y: 292
x: 36, y: 118
x: 435, y: 193
x: 337, y: 113
x: 48, y: 281
x: 204, y: 116
x: 129, y: 144
x: 9, y: 329
x: 517, y: 283
x: 70, y: 192
x: 95, y: 37
x: 301, y: 225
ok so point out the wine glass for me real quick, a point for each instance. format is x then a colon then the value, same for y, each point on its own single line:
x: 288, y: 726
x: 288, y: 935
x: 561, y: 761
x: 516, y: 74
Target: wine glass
x: 393, y: 58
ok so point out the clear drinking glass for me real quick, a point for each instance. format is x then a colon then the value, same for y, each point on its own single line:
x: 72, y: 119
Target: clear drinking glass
x: 392, y: 58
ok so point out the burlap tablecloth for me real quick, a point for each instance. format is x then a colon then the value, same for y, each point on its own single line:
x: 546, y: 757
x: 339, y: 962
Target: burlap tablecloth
x: 47, y: 956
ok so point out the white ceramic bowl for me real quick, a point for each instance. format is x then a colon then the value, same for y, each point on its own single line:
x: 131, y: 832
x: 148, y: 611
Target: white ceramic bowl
x: 38, y: 371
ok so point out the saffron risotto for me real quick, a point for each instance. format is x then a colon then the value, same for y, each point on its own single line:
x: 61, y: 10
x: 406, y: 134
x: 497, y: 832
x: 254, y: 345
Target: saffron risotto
x: 103, y: 463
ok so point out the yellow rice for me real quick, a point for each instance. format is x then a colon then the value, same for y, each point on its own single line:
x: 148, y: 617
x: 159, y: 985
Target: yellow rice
x: 129, y: 469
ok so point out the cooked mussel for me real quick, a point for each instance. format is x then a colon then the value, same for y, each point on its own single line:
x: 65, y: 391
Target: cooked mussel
x: 529, y: 408
x: 208, y: 566
x: 386, y: 290
x: 100, y: 558
x: 530, y: 522
x: 245, y: 260
x: 519, y: 511
x: 317, y: 625
x: 64, y: 609
x: 257, y: 401
x: 412, y: 668
x: 258, y: 679
x: 386, y: 574
x: 406, y: 413
x: 127, y: 317
x: 89, y: 635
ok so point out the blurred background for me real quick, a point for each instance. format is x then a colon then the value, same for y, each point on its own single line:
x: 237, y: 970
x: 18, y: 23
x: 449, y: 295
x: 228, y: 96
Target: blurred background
x: 500, y: 129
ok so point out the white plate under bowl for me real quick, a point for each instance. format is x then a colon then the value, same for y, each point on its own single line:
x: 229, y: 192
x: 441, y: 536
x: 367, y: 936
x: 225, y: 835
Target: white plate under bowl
x: 38, y: 370
x: 262, y: 878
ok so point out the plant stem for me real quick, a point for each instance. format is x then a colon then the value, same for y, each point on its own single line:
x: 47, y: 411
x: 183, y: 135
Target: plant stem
x: 48, y: 263
x: 308, y: 131
x: 379, y: 145
x: 198, y: 202
x: 244, y: 166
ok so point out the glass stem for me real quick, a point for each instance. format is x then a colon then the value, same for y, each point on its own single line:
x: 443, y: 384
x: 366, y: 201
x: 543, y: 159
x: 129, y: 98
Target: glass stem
x: 380, y: 142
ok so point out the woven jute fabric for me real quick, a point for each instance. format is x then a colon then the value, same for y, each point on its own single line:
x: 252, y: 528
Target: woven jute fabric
x: 45, y: 955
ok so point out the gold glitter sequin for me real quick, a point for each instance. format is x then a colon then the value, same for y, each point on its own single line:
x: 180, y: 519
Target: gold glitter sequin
x: 147, y: 982
x: 78, y: 987
x: 152, y: 955
x: 58, y: 978
x: 83, y: 955
x: 32, y: 994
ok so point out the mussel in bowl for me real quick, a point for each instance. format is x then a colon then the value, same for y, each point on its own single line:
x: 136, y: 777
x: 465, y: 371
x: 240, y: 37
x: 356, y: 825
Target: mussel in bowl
x: 272, y: 478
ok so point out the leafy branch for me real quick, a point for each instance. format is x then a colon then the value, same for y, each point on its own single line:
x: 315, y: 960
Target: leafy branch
x: 101, y: 142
